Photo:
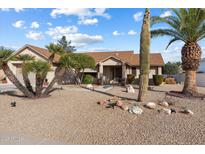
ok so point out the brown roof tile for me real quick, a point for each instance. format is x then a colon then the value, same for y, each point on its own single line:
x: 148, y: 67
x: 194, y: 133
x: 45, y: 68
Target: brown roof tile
x: 126, y: 56
x: 44, y: 52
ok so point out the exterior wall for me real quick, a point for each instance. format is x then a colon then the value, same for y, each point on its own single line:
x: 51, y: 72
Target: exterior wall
x: 111, y: 62
x: 32, y: 53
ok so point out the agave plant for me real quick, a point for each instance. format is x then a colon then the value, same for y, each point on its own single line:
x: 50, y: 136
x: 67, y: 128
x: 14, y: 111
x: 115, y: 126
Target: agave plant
x: 187, y: 25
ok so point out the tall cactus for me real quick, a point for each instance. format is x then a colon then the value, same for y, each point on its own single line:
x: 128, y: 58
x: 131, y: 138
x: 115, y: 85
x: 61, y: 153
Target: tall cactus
x: 144, y: 56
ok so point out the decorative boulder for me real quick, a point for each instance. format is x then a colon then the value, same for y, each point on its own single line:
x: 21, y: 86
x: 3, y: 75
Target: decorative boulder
x: 167, y: 111
x: 187, y: 111
x: 136, y: 110
x: 164, y: 103
x: 130, y: 89
x: 150, y: 105
x: 119, y: 103
x: 125, y: 107
x: 89, y: 86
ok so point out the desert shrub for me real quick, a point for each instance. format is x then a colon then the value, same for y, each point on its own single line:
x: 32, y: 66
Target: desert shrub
x: 88, y: 79
x: 157, y: 79
x: 130, y: 78
x: 170, y: 81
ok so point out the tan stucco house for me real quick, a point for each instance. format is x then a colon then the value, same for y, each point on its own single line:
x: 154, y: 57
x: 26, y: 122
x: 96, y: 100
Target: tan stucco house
x: 110, y: 66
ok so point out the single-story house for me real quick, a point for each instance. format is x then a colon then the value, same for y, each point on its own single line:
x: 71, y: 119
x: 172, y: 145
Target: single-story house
x: 110, y: 66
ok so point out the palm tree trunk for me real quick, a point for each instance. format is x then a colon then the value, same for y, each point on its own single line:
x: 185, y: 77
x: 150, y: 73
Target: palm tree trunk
x: 15, y: 81
x: 27, y: 81
x: 50, y: 86
x: 39, y: 85
x: 58, y: 73
x: 144, y: 56
x: 190, y: 87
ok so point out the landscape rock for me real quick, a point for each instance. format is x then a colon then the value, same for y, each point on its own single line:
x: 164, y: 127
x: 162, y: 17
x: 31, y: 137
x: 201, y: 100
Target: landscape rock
x: 89, y: 86
x: 119, y: 103
x: 125, y: 107
x: 173, y: 111
x: 130, y: 89
x: 136, y: 110
x: 150, y: 105
x: 102, y: 102
x: 187, y: 111
x: 167, y: 111
x: 164, y: 103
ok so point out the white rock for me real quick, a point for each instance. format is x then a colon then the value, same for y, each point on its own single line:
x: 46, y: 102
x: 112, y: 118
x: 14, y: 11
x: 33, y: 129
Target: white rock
x: 136, y: 110
x: 187, y: 111
x: 150, y: 105
x: 167, y: 111
x: 164, y: 103
x: 89, y: 86
x: 130, y: 89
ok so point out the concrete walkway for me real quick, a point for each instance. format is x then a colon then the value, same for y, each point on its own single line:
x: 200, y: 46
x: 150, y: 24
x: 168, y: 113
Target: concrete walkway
x: 11, y: 138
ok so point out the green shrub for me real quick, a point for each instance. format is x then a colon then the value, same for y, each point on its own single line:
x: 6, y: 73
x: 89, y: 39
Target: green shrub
x: 130, y: 78
x: 88, y: 79
x: 157, y: 79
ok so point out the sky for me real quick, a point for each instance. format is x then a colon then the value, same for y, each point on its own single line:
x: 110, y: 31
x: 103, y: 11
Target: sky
x: 88, y: 29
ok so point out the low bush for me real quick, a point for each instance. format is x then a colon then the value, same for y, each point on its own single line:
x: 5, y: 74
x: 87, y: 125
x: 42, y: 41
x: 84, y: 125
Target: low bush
x: 130, y: 78
x: 157, y: 79
x: 170, y: 81
x: 88, y: 79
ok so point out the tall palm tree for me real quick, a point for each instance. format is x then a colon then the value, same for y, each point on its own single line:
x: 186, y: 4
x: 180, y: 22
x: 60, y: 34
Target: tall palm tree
x: 5, y: 55
x: 25, y: 58
x: 41, y: 69
x: 144, y: 55
x: 187, y: 25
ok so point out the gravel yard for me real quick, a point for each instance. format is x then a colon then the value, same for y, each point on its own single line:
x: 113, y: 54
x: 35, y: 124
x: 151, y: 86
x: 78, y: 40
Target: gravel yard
x: 74, y: 117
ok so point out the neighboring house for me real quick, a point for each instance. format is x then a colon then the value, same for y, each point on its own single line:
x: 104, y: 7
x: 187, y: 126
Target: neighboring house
x: 202, y: 65
x: 110, y: 66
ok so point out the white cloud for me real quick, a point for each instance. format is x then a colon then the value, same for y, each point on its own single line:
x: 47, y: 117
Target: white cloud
x: 34, y: 35
x: 49, y: 24
x: 80, y: 12
x: 132, y: 32
x: 59, y: 31
x: 138, y: 16
x: 84, y: 38
x: 88, y: 21
x: 35, y: 25
x: 18, y: 24
x: 166, y: 14
x: 18, y: 9
x: 116, y: 33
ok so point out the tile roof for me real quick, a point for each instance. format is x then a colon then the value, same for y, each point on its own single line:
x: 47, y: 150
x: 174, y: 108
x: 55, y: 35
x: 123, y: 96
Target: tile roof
x: 126, y: 56
x: 44, y: 52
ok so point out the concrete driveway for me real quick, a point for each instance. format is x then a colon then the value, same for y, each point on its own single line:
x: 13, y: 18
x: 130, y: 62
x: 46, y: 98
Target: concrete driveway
x: 11, y: 138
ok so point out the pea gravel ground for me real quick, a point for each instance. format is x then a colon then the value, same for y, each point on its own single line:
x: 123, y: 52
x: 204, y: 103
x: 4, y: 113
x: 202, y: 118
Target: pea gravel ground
x: 74, y: 117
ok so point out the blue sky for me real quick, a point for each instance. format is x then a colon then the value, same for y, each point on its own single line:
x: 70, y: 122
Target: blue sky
x: 88, y: 29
